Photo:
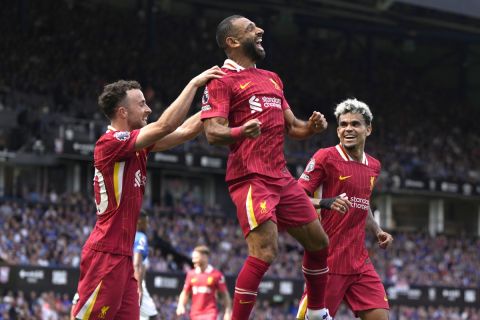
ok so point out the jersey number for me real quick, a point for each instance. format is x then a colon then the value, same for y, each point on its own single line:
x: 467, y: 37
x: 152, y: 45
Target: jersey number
x: 101, y: 196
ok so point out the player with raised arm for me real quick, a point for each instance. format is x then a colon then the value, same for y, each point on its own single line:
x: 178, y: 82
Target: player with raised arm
x: 247, y: 110
x: 140, y: 266
x: 203, y: 283
x: 107, y: 288
x: 340, y: 181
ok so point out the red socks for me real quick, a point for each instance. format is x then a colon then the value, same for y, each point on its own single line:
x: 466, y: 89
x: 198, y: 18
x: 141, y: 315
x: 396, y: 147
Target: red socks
x: 246, y: 287
x: 315, y: 271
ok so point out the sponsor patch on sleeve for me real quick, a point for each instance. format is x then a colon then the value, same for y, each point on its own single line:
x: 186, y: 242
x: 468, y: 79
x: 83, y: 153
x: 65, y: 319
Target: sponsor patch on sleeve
x: 310, y: 165
x: 122, y: 135
x: 205, y: 96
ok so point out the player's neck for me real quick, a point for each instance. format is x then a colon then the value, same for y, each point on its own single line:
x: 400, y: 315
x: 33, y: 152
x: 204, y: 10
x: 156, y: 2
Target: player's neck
x: 242, y: 61
x: 355, y: 153
x: 119, y: 126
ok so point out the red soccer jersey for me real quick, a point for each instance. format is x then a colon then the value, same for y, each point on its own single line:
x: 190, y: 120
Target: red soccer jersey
x: 119, y: 184
x: 203, y: 286
x: 245, y: 94
x: 328, y: 174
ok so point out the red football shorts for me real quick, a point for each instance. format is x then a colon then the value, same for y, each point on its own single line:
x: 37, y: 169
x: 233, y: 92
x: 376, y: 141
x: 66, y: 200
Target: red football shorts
x: 107, y: 288
x: 259, y: 198
x: 361, y: 292
x: 206, y: 316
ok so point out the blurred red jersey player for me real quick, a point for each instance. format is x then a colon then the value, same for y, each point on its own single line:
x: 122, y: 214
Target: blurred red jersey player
x: 107, y: 288
x: 202, y: 284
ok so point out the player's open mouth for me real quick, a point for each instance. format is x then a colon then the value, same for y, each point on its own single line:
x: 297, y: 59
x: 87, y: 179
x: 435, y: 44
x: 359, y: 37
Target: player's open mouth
x: 349, y: 137
x: 258, y: 42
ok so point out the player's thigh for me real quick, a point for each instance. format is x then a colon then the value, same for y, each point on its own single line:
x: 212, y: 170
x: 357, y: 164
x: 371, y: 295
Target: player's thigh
x: 368, y: 293
x: 255, y: 200
x: 337, y: 286
x: 311, y: 235
x: 130, y: 308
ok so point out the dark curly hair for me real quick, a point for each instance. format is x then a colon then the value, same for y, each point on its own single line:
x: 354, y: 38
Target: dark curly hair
x: 113, y: 93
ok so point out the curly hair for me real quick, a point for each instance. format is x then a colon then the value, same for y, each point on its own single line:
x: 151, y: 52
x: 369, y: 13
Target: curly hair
x: 354, y: 106
x: 113, y: 93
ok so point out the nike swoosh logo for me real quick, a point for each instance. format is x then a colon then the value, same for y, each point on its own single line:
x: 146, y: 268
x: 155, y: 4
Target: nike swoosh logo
x: 243, y: 86
x: 245, y: 302
x: 341, y: 178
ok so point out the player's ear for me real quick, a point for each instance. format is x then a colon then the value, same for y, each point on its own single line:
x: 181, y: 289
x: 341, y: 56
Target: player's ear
x: 232, y: 42
x: 122, y: 112
x: 369, y: 130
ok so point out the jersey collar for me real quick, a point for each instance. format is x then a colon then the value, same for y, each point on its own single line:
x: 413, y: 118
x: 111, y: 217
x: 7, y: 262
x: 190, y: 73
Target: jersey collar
x: 345, y: 156
x: 110, y: 128
x: 232, y: 65
x: 208, y: 269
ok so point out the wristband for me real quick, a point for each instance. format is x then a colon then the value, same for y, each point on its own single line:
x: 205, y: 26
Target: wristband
x: 237, y: 132
x: 327, y: 203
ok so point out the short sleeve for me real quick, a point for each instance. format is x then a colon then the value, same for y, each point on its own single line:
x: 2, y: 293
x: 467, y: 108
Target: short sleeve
x: 187, y: 286
x: 116, y: 146
x: 222, y: 286
x: 216, y: 100
x: 140, y: 244
x: 314, y: 173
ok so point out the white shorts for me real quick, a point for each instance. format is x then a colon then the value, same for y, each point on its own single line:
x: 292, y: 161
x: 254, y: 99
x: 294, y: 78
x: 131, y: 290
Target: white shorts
x: 147, y: 309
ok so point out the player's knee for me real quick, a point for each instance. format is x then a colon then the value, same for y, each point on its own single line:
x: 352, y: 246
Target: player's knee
x: 266, y: 252
x: 269, y: 257
x: 323, y: 240
x: 318, y: 242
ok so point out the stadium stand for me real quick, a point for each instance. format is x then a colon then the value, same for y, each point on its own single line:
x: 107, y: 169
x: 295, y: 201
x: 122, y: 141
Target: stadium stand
x: 57, y: 55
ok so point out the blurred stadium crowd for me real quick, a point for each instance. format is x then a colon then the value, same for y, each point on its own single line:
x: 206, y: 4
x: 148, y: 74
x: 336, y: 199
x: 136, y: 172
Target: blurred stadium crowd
x: 48, y: 96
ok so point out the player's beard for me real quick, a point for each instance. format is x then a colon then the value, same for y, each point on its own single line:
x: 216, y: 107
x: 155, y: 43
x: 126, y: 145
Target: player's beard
x: 250, y: 49
x: 349, y: 147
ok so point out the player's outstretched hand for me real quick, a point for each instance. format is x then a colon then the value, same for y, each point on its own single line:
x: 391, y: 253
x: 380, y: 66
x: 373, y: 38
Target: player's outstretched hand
x: 202, y: 78
x: 385, y: 239
x: 317, y: 122
x: 251, y: 128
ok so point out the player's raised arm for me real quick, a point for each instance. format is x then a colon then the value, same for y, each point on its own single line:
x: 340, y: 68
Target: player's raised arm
x: 173, y: 116
x: 218, y: 132
x: 299, y: 129
x: 187, y: 131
